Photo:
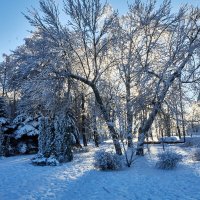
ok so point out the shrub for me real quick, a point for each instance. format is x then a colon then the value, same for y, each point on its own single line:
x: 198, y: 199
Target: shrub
x: 196, y: 155
x: 52, y: 161
x: 192, y: 142
x: 81, y: 150
x: 40, y: 160
x: 22, y: 147
x: 168, y: 160
x: 188, y: 144
x: 169, y: 139
x: 108, y: 161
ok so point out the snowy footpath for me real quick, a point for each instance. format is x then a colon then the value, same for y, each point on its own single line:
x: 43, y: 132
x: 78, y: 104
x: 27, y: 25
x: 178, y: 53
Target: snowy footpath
x: 78, y: 180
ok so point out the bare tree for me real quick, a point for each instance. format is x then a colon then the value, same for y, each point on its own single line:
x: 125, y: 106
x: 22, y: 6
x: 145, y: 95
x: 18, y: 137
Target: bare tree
x: 83, y: 44
x: 175, y: 40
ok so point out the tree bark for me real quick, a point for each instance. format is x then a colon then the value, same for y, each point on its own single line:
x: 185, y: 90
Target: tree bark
x: 145, y: 128
x: 95, y: 132
x: 129, y: 115
x: 149, y: 121
x: 182, y: 110
x: 83, y: 120
x: 110, y: 125
x: 177, y: 123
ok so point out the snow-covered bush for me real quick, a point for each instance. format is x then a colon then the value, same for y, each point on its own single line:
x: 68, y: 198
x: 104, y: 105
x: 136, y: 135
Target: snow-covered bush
x: 196, y: 154
x: 40, y: 160
x: 168, y: 160
x: 25, y: 126
x: 81, y: 150
x: 25, y: 131
x: 22, y: 147
x: 108, y: 161
x: 1, y: 144
x: 188, y: 143
x: 5, y: 147
x: 191, y: 142
x: 55, y: 140
x: 169, y: 139
x: 52, y: 161
x: 4, y: 121
x: 20, y: 119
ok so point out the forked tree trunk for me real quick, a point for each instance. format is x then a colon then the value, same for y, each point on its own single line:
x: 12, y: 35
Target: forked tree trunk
x: 106, y: 117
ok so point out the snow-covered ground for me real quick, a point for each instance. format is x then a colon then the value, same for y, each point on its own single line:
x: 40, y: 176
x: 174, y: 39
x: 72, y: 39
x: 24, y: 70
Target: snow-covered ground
x: 78, y: 180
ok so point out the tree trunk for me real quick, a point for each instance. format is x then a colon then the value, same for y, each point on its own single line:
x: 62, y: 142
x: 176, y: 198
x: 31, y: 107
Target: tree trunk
x: 160, y: 98
x: 96, y: 135
x: 167, y: 124
x: 110, y: 125
x: 129, y: 115
x: 77, y: 144
x: 179, y: 131
x: 83, y: 120
x: 182, y: 110
x: 145, y: 128
x: 177, y: 123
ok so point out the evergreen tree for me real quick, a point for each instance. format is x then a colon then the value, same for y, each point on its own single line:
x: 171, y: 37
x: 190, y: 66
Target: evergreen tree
x: 42, y: 136
x: 55, y: 138
x: 49, y: 134
x: 1, y: 144
x: 3, y: 112
x: 63, y: 138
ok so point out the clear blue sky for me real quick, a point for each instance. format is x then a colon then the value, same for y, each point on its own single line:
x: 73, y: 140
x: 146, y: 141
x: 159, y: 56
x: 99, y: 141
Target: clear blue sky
x: 14, y: 27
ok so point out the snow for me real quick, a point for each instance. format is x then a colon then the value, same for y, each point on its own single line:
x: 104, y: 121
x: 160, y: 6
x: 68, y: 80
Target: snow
x: 19, y: 118
x: 26, y: 129
x: 22, y: 147
x: 3, y: 120
x: 169, y: 139
x: 79, y: 180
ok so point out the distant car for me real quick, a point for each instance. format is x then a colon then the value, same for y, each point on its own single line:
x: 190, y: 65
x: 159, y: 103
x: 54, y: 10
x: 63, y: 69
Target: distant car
x: 168, y: 139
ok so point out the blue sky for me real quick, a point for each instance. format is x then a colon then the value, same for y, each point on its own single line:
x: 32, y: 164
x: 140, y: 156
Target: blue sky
x: 14, y: 27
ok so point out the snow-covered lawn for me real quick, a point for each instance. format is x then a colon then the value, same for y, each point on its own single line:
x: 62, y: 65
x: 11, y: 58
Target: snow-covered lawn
x: 19, y: 180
